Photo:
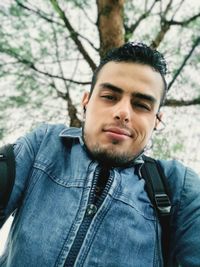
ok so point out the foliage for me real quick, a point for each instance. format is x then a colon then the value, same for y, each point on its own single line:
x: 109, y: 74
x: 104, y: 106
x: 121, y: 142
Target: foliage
x: 166, y: 146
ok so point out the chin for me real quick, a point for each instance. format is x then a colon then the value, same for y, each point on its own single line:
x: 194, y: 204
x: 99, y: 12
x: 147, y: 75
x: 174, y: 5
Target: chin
x: 110, y: 156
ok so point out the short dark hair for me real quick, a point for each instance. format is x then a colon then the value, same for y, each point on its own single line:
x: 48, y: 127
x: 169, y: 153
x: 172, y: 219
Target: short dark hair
x: 135, y: 52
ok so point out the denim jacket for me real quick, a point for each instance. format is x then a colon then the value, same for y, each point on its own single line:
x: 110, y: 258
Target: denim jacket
x: 50, y: 199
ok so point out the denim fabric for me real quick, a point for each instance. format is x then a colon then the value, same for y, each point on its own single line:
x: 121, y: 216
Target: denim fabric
x: 54, y: 176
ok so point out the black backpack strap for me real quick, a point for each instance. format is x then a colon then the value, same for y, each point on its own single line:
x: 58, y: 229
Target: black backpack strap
x: 157, y: 190
x: 7, y: 175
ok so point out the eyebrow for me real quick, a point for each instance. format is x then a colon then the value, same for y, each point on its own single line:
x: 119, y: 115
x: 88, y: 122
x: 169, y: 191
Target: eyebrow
x: 147, y: 97
x: 111, y: 87
x: 119, y: 90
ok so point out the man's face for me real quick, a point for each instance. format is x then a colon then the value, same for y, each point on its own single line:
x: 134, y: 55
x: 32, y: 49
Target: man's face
x: 121, y: 112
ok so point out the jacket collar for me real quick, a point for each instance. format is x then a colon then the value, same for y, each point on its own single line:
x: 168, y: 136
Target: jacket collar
x: 72, y: 133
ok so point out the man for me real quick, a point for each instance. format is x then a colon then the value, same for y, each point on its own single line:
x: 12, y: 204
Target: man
x: 79, y: 197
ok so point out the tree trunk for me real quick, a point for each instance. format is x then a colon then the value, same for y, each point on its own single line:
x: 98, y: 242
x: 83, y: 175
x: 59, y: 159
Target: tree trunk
x: 72, y: 111
x: 110, y: 24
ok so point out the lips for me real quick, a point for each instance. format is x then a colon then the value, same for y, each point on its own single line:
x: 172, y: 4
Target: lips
x: 118, y: 131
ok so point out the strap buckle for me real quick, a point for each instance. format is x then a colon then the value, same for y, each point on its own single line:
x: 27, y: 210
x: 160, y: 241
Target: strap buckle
x: 163, y: 203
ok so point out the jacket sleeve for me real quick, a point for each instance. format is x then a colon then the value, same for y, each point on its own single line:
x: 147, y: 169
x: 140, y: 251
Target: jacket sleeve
x: 186, y: 223
x: 25, y: 150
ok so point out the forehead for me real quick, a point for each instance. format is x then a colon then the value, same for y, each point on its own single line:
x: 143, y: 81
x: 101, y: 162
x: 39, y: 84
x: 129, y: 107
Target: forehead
x: 131, y: 77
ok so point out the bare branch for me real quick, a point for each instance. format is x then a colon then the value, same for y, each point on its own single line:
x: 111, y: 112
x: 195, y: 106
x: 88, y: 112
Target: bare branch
x: 32, y: 66
x: 58, y: 77
x: 195, y: 44
x: 160, y: 36
x: 60, y: 94
x: 177, y: 9
x: 86, y: 15
x: 132, y: 28
x: 184, y: 22
x: 166, y: 24
x: 87, y: 40
x: 181, y: 103
x: 74, y: 34
x: 168, y: 7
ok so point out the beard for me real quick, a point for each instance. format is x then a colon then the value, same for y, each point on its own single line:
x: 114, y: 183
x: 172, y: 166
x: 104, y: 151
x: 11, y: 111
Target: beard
x: 108, y: 157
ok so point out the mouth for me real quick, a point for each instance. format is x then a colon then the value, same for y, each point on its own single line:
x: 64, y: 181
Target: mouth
x: 117, y: 133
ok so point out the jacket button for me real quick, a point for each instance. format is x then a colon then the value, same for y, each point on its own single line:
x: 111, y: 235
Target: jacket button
x: 91, y: 209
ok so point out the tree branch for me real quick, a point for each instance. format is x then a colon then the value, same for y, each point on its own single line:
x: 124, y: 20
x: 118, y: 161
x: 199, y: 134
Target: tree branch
x: 90, y: 43
x: 72, y: 111
x: 73, y: 34
x: 181, y: 103
x: 32, y: 66
x: 132, y: 28
x: 48, y: 19
x: 86, y: 15
x: 160, y: 36
x: 163, y: 14
x: 58, y: 60
x: 57, y: 76
x: 165, y: 26
x: 195, y: 44
x: 177, y: 9
x: 39, y: 13
x: 184, y: 22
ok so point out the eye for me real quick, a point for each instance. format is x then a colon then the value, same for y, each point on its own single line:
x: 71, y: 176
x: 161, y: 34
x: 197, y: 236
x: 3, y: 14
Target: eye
x: 142, y: 106
x: 109, y: 97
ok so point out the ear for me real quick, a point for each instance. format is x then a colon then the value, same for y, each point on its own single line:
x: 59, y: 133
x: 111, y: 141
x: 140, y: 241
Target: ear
x: 85, y: 100
x: 159, y: 117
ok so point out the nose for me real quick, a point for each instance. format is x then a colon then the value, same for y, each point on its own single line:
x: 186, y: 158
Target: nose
x: 123, y: 111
